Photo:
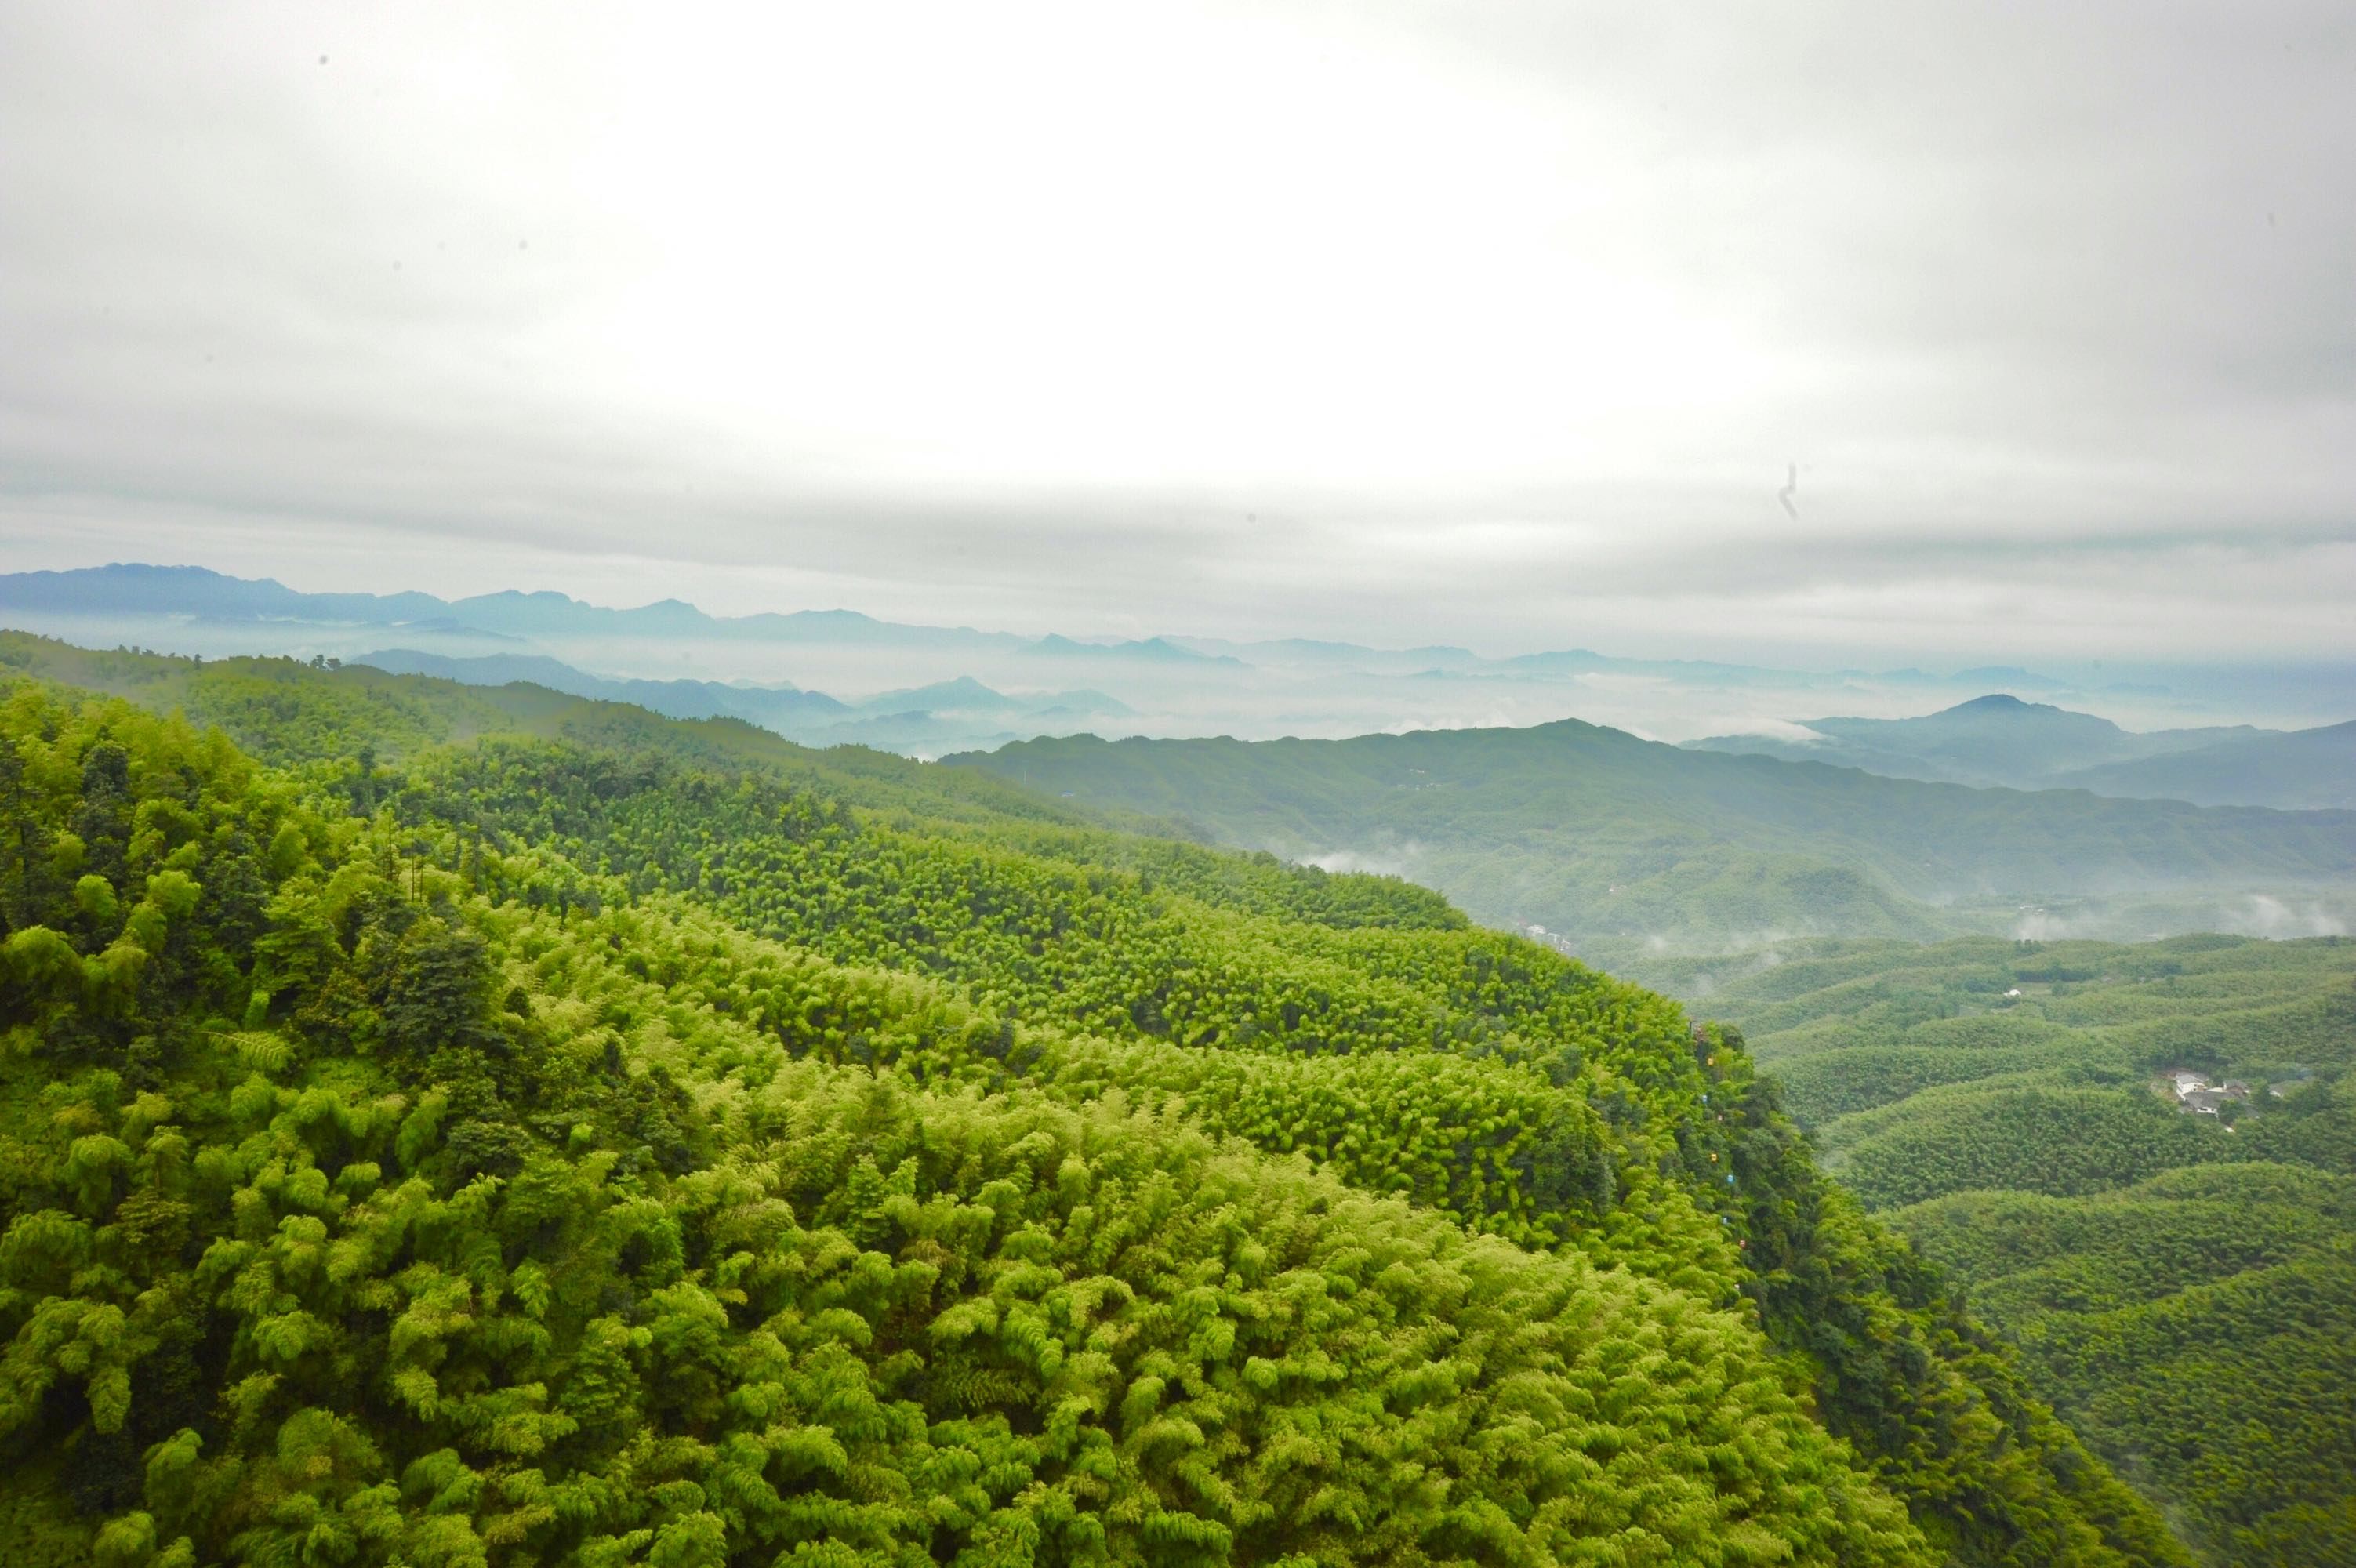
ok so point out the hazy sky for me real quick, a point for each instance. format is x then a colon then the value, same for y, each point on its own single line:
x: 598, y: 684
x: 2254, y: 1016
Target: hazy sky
x: 1497, y: 324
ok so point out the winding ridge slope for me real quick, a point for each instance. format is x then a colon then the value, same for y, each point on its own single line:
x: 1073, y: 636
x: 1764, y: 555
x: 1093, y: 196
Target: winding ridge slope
x: 1628, y: 848
x: 2183, y: 1285
x: 503, y: 1128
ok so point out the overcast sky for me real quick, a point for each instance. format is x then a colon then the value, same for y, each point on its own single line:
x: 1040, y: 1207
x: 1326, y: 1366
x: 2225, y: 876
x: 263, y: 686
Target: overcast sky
x: 1495, y: 324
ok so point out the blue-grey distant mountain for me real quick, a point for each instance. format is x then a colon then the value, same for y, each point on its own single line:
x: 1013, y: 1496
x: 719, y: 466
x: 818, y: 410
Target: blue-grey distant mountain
x: 194, y: 592
x: 967, y: 695
x: 131, y: 588
x: 946, y: 715
x: 772, y: 707
x: 548, y: 613
x: 1584, y: 661
x: 2006, y: 675
x: 2302, y: 769
x: 1159, y: 650
x: 1163, y: 684
x: 1305, y: 652
x: 1997, y: 740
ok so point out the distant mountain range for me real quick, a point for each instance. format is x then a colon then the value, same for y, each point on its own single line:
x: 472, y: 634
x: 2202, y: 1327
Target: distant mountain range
x: 195, y: 591
x: 196, y: 594
x: 2003, y: 741
x: 2300, y: 769
x: 832, y: 676
x: 1628, y: 848
x: 1628, y: 852
x: 926, y: 719
x: 766, y: 706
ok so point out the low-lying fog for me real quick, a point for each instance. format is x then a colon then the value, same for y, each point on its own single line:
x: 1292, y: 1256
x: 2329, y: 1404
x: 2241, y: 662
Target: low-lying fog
x: 1187, y: 686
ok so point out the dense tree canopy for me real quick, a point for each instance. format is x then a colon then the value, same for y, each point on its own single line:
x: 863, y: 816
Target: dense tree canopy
x: 2182, y: 1286
x: 608, y: 1150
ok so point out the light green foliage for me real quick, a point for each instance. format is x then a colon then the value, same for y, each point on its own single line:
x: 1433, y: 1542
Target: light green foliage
x: 557, y: 1154
x: 2043, y: 1140
x: 2200, y: 1325
x: 2182, y: 1286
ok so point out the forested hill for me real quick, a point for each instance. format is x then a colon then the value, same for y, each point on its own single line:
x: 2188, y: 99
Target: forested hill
x: 2306, y: 767
x: 2182, y: 1281
x: 1629, y: 848
x: 2001, y: 740
x: 500, y: 1129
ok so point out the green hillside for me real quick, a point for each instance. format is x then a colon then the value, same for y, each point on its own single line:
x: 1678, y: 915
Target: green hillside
x: 2182, y: 1285
x: 500, y: 1129
x: 2001, y: 741
x: 1633, y: 852
x: 2310, y: 768
x: 1997, y: 740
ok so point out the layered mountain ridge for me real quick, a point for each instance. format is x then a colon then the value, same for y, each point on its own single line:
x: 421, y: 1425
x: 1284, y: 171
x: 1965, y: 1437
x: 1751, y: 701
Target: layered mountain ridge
x: 1999, y: 740
x: 485, y: 1124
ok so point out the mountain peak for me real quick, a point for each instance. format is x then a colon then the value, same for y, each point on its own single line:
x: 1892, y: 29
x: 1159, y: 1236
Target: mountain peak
x: 2004, y: 707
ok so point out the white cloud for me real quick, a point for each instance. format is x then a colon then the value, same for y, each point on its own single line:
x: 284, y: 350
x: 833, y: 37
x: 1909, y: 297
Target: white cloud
x: 1491, y: 324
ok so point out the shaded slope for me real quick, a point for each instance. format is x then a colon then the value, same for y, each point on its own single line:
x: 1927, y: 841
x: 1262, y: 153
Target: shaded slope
x: 2184, y: 1286
x: 1998, y: 740
x: 611, y: 887
x: 2305, y: 769
x: 1619, y: 843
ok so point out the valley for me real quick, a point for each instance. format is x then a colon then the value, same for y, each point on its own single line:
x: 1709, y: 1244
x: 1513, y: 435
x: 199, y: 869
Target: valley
x: 1179, y: 785
x: 2178, y: 1271
x: 1932, y: 1168
x: 704, y: 1128
x: 1637, y: 855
